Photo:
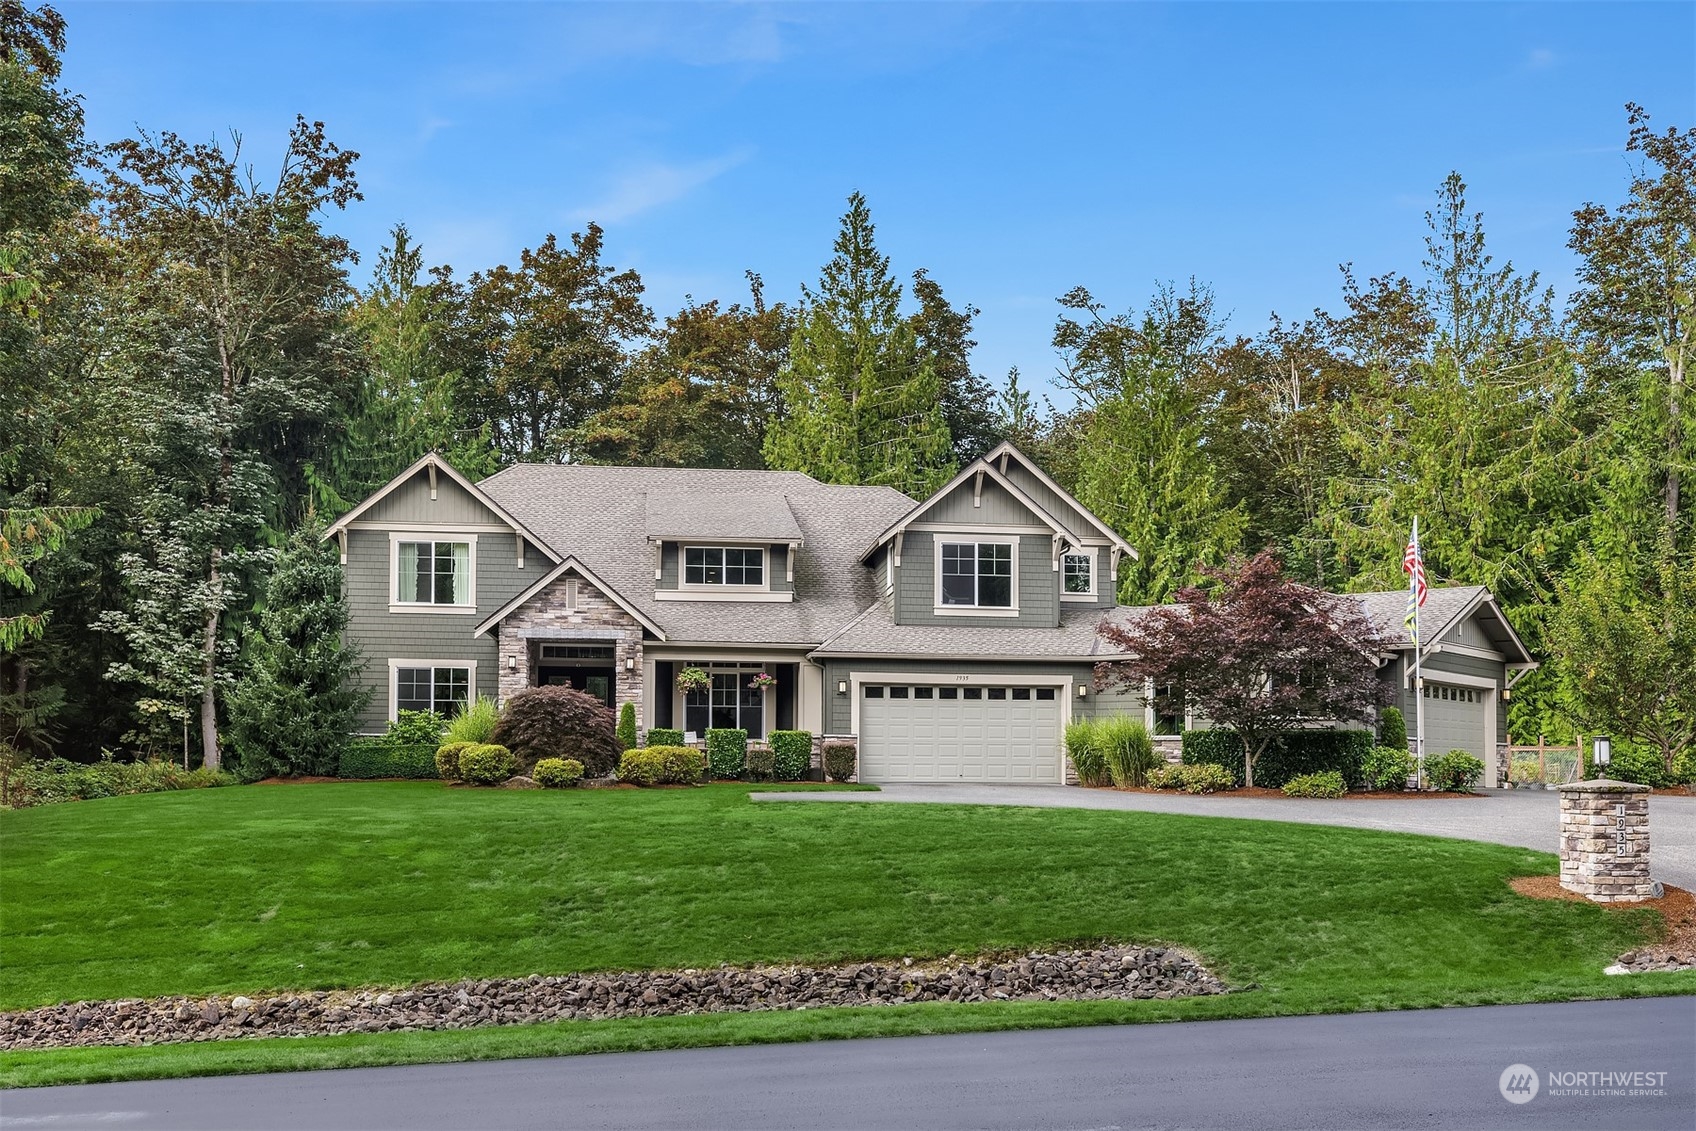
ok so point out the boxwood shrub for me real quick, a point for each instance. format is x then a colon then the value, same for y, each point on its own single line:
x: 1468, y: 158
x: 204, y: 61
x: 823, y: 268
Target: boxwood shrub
x: 1327, y: 783
x: 727, y: 753
x: 1290, y: 753
x: 447, y: 759
x: 368, y: 758
x: 661, y: 765
x: 792, y: 754
x: 488, y: 764
x: 841, y: 760
x: 557, y: 773
x: 664, y: 736
x: 762, y: 763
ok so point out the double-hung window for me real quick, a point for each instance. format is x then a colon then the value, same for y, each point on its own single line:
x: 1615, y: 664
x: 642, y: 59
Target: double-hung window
x: 741, y: 566
x: 433, y: 573
x: 976, y: 575
x: 1077, y: 570
x: 444, y: 689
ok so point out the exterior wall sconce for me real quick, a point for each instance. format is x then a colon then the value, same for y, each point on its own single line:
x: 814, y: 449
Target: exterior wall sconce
x: 842, y: 687
x: 1602, y: 750
x: 629, y: 664
x: 512, y: 663
x: 1083, y: 690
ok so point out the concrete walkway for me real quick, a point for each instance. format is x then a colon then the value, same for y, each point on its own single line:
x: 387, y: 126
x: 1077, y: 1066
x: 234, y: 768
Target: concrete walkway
x: 1523, y: 818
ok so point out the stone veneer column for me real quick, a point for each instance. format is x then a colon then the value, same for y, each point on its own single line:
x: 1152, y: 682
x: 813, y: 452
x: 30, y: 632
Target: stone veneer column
x: 1605, y: 840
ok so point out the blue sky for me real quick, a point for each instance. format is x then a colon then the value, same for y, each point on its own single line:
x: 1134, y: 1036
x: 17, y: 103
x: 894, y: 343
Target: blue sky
x: 1015, y: 150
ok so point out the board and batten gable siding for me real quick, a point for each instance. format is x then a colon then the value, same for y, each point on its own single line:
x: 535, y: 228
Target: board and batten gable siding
x: 411, y: 503
x: 777, y: 564
x: 839, y: 709
x: 1039, y: 493
x: 381, y: 635
x: 916, y: 595
x: 996, y: 507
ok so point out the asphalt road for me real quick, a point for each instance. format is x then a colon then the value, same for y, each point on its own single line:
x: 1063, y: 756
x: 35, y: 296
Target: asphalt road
x: 1523, y: 818
x: 1426, y: 1069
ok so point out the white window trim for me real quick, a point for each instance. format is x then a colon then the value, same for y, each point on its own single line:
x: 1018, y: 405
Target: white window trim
x: 396, y: 537
x: 768, y: 708
x: 1089, y: 596
x: 943, y: 610
x: 684, y: 585
x: 394, y: 679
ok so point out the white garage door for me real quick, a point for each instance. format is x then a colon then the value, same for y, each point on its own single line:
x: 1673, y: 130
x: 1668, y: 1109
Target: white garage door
x: 1454, y: 718
x: 930, y: 733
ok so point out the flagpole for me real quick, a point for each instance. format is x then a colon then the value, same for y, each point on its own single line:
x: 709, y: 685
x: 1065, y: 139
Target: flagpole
x: 1418, y: 683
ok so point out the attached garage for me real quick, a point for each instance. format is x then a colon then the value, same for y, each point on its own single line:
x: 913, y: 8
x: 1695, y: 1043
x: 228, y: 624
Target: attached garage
x: 916, y: 730
x: 1457, y: 718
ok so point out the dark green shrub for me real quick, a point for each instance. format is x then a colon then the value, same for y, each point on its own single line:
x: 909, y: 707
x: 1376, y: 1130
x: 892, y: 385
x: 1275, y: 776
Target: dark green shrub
x: 626, y: 731
x: 488, y: 764
x: 1083, y: 747
x: 558, y: 773
x: 727, y: 753
x: 792, y: 752
x: 48, y: 782
x: 841, y: 760
x: 1127, y: 750
x: 368, y: 758
x: 661, y: 765
x: 447, y: 759
x: 1328, y: 783
x: 416, y: 728
x: 1392, y: 728
x: 1291, y: 753
x: 762, y: 763
x: 664, y: 736
x: 1387, y: 768
x: 1455, y: 772
x: 1634, y: 764
x: 557, y: 722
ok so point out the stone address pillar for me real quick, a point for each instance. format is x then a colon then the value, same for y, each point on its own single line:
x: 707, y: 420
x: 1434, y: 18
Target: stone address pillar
x: 1605, y: 840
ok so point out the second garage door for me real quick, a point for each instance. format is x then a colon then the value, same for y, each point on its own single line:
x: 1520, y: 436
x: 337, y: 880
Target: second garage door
x: 920, y: 732
x: 1454, y: 719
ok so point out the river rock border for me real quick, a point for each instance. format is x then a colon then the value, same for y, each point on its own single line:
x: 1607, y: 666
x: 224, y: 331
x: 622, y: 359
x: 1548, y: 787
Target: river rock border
x: 1104, y: 973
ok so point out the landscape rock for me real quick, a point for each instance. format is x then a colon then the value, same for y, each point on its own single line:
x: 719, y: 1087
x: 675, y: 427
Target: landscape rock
x: 1106, y: 973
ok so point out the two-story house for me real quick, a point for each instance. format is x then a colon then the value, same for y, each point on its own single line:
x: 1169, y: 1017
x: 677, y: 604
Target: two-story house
x: 954, y: 637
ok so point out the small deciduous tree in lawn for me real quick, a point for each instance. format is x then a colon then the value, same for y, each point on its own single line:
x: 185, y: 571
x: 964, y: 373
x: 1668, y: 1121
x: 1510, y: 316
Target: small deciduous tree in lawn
x: 1255, y: 652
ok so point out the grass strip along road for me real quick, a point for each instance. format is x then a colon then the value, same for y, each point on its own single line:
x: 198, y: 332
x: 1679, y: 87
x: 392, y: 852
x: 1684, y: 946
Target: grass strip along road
x: 245, y: 890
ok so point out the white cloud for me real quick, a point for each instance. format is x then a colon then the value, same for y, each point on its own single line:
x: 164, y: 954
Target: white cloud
x: 646, y: 187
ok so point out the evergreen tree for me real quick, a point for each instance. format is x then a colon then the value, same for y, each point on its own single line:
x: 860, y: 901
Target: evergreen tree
x: 944, y: 332
x: 862, y: 401
x: 293, y: 710
x: 1143, y: 462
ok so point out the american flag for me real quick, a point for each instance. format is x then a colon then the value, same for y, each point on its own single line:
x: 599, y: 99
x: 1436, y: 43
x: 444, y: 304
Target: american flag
x: 1414, y: 566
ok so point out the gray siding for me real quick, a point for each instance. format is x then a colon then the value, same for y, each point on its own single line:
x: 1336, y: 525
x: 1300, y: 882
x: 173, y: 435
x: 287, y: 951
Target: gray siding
x: 1433, y: 666
x: 1049, y: 501
x: 1106, y: 586
x: 777, y: 566
x: 411, y: 502
x: 916, y: 596
x: 995, y: 507
x: 838, y: 709
x: 382, y: 635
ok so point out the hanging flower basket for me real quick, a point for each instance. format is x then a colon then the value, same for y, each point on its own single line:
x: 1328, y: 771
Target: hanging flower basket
x: 762, y: 681
x: 694, y: 679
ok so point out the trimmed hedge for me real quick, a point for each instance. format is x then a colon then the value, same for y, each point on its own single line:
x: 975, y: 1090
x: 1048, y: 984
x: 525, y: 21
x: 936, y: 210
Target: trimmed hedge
x: 1292, y: 753
x: 558, y: 773
x: 727, y: 753
x: 762, y: 763
x: 1202, y: 777
x: 664, y: 736
x: 841, y: 760
x: 1328, y: 783
x: 661, y: 765
x: 487, y: 764
x: 367, y: 758
x: 792, y: 754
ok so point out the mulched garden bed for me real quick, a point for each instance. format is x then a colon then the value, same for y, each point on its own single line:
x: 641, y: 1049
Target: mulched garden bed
x: 1108, y: 972
x: 1675, y: 951
x: 1280, y: 795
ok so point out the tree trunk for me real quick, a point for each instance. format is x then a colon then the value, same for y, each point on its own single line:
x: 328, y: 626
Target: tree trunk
x: 1675, y: 441
x: 208, y: 692
x: 1249, y: 757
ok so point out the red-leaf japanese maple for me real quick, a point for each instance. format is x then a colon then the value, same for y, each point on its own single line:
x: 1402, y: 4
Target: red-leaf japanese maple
x: 1255, y: 652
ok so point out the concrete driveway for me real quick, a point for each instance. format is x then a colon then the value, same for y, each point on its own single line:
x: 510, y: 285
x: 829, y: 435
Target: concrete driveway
x: 1523, y: 818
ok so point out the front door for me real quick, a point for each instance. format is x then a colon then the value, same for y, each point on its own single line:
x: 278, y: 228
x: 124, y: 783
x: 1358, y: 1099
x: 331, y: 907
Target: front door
x: 593, y: 681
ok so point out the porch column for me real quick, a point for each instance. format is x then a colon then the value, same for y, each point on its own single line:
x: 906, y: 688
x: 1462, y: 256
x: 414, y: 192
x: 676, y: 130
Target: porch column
x: 513, y: 660
x: 628, y: 671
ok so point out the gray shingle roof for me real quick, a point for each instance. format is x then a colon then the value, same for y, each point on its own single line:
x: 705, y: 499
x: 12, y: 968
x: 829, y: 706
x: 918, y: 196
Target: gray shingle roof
x: 1386, y: 609
x: 600, y: 514
x: 732, y: 514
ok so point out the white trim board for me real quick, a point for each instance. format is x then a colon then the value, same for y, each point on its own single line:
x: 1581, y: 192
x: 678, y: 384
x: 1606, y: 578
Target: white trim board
x: 394, y: 678
x: 432, y: 535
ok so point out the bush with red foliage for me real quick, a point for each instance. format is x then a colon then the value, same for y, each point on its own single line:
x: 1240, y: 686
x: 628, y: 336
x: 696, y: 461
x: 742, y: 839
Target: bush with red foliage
x: 557, y: 722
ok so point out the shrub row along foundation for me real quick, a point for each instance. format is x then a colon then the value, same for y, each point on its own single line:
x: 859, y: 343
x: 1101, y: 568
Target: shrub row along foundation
x: 1111, y: 972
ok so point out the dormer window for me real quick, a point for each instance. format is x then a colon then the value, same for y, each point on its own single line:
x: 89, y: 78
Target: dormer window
x: 721, y: 566
x: 976, y: 575
x: 1078, y: 570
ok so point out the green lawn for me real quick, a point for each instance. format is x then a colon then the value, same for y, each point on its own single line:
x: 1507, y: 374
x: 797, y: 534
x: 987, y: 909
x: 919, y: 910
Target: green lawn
x: 300, y: 887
